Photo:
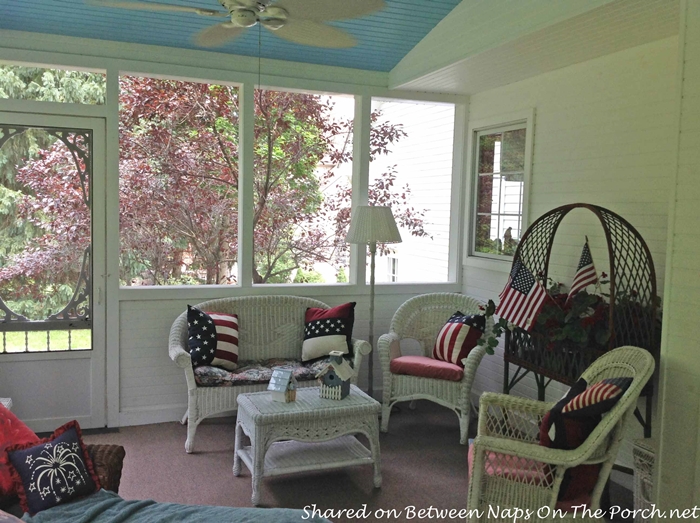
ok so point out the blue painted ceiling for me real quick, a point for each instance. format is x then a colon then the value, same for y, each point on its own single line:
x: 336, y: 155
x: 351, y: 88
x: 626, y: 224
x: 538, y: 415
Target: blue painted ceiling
x: 384, y: 37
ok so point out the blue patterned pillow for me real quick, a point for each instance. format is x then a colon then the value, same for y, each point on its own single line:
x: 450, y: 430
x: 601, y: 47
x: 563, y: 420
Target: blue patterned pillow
x: 55, y: 471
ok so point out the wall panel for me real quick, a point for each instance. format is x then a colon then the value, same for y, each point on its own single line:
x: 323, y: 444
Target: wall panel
x: 604, y: 134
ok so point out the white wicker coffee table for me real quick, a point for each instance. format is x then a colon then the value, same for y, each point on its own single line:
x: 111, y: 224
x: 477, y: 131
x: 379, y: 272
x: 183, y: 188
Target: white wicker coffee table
x: 307, y: 434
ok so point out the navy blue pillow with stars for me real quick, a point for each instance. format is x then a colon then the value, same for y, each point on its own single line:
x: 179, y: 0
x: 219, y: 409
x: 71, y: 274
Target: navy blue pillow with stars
x: 201, y: 337
x: 54, y: 471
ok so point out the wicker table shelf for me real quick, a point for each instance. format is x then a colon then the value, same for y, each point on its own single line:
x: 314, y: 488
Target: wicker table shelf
x: 310, y: 433
x: 286, y: 457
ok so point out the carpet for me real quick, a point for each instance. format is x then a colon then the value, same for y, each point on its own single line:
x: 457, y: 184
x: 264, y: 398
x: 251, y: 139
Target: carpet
x: 423, y: 466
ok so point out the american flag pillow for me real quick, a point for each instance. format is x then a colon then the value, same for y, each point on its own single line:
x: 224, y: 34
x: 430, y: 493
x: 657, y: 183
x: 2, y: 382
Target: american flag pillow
x: 458, y: 336
x: 326, y: 330
x: 213, y: 338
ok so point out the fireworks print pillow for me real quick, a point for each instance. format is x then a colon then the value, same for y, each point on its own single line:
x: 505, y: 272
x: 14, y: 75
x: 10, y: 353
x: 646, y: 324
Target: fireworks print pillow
x: 56, y: 470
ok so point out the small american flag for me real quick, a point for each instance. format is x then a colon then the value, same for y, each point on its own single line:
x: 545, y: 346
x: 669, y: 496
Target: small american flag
x: 522, y: 298
x: 585, y: 274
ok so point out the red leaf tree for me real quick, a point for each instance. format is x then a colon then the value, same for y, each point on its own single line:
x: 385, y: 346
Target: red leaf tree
x: 179, y: 183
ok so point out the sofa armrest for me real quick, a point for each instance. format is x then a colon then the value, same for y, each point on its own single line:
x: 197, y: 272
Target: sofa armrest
x: 360, y: 348
x: 177, y: 342
x: 108, y: 461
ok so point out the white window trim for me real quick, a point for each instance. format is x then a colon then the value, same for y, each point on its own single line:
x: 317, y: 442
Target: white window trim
x: 495, y: 262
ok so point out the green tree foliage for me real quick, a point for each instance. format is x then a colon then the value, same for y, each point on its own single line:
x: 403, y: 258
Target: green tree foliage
x: 22, y: 231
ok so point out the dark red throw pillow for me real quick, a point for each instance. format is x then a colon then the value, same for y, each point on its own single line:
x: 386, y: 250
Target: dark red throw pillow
x: 55, y: 470
x: 572, y: 420
x: 12, y: 432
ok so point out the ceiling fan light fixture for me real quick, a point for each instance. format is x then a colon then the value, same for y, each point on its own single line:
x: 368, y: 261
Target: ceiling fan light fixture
x: 244, y: 18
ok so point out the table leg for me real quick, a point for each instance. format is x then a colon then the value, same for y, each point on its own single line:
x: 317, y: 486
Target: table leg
x: 374, y: 447
x: 259, y: 449
x: 236, y: 447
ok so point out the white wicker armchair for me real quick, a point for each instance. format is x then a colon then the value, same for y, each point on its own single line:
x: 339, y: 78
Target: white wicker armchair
x: 510, y: 469
x: 269, y: 327
x: 421, y: 318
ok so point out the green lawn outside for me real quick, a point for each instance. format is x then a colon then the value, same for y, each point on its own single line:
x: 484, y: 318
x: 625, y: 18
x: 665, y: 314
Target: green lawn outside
x: 37, y: 341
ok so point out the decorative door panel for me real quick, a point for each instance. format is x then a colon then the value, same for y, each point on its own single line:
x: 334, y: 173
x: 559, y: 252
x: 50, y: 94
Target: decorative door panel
x: 52, y: 355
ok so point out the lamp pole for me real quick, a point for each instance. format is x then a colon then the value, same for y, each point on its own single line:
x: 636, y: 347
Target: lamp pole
x: 370, y: 362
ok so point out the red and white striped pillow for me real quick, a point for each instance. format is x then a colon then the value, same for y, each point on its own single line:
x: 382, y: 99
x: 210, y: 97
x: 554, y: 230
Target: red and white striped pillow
x: 598, y: 398
x: 458, y: 336
x: 213, y: 338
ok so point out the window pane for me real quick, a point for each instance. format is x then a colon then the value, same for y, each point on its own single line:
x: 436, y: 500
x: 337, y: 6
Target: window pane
x: 488, y: 193
x: 178, y: 182
x: 411, y: 171
x: 302, y: 194
x: 52, y: 85
x: 499, y: 197
x: 487, y: 151
x: 513, y: 151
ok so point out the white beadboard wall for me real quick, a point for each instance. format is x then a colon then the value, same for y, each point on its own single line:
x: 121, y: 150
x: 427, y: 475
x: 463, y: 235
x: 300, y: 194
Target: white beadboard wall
x: 678, y: 482
x: 604, y: 134
x: 153, y: 389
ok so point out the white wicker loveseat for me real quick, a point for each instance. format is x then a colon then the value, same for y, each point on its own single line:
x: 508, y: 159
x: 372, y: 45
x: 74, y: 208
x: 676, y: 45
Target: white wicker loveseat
x: 421, y: 318
x: 269, y: 327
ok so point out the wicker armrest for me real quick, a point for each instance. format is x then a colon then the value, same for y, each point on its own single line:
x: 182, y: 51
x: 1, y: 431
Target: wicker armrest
x: 388, y: 346
x: 108, y: 461
x: 178, y: 337
x: 511, y: 417
x: 531, y: 451
x: 361, y: 346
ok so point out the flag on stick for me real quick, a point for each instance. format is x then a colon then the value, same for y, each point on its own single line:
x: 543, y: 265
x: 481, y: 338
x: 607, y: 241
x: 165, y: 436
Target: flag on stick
x: 585, y: 274
x: 522, y: 298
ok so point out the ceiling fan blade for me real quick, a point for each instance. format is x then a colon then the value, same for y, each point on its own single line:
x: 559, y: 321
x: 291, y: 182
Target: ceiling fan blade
x: 324, y: 10
x: 217, y: 35
x: 155, y: 6
x: 315, y: 34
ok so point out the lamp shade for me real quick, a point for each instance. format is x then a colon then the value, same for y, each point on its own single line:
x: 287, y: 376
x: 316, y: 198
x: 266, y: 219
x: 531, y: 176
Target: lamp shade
x: 372, y: 224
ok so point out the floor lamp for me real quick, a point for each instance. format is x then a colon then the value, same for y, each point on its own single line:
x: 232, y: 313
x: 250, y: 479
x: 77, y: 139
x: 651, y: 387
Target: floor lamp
x: 371, y: 225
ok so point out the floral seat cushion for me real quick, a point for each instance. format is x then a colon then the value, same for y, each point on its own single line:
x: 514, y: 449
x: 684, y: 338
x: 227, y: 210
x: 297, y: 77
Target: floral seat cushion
x: 257, y: 371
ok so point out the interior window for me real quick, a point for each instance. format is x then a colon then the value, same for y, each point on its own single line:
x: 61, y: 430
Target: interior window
x: 500, y: 171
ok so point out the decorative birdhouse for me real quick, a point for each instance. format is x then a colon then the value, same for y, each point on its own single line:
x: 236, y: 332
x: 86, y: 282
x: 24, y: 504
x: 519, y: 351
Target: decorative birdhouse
x: 335, y: 377
x: 283, y: 385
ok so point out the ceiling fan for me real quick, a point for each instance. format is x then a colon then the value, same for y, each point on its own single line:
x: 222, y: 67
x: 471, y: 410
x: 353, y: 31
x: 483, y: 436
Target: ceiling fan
x: 299, y: 21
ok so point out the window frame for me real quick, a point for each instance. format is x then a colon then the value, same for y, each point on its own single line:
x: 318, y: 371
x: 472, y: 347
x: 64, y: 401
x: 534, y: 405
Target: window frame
x: 517, y: 120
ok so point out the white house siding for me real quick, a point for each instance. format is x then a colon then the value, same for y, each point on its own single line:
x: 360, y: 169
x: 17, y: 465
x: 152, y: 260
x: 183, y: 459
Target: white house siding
x: 423, y: 161
x: 604, y: 134
x: 678, y: 483
x: 152, y: 388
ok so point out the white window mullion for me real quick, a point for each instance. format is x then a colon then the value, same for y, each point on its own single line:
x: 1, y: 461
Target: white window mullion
x: 360, y: 180
x: 246, y: 205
